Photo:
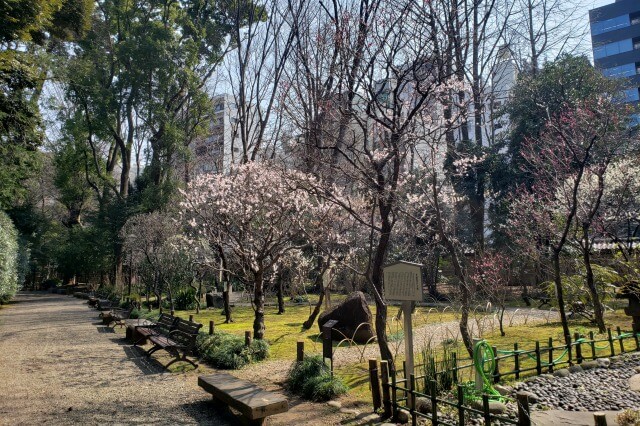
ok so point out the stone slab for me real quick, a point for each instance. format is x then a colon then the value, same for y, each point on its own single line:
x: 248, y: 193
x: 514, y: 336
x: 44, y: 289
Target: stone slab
x: 252, y: 401
x: 634, y: 383
x: 569, y: 418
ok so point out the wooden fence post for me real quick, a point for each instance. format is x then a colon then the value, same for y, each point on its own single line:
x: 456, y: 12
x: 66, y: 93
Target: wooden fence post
x: 592, y: 343
x: 610, y: 337
x: 190, y: 318
x: 300, y: 350
x: 406, y: 378
x: 454, y: 358
x: 538, y: 359
x: 496, y: 371
x: 394, y: 395
x: 550, y: 354
x: 524, y: 415
x: 620, y: 339
x: 434, y: 402
x: 485, y: 409
x: 600, y: 419
x: 516, y: 359
x: 247, y: 338
x: 375, y: 384
x: 576, y: 337
x: 211, y: 327
x: 460, y: 404
x: 412, y: 406
x: 386, y: 397
x: 172, y: 312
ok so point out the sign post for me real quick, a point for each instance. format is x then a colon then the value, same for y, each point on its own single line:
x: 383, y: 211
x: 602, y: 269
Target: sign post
x: 403, y: 282
x: 327, y: 342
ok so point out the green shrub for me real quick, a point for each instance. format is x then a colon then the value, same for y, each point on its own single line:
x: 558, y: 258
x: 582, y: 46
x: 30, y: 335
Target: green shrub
x: 185, y: 299
x: 228, y: 351
x: 135, y: 314
x: 52, y: 283
x: 311, y: 378
x: 299, y: 299
x: 9, y: 284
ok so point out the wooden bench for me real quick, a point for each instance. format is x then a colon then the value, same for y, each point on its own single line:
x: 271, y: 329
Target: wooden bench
x: 105, y: 306
x: 163, y: 325
x: 179, y: 342
x: 118, y: 316
x: 543, y: 298
x: 254, y: 403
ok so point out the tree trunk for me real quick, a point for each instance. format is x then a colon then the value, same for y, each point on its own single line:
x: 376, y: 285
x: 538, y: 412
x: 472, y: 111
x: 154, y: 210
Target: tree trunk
x: 464, y: 319
x: 258, y: 305
x: 595, y: 298
x: 196, y: 297
x: 381, y: 307
x: 227, y: 304
x: 501, y: 321
x: 224, y: 276
x: 316, y: 310
x: 170, y: 297
x: 560, y: 297
x: 280, y: 295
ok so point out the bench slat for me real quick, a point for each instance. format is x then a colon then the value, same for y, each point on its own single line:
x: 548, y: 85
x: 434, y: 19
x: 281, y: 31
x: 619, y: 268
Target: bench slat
x: 252, y: 401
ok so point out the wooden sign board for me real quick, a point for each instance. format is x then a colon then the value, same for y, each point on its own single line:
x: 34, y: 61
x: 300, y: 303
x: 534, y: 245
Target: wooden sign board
x: 403, y: 281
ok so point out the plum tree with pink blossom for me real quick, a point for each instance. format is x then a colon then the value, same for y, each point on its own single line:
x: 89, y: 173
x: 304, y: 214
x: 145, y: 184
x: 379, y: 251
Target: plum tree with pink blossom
x: 256, y: 214
x: 568, y: 163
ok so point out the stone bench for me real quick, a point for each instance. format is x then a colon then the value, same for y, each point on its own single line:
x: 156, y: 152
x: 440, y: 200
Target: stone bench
x: 254, y: 403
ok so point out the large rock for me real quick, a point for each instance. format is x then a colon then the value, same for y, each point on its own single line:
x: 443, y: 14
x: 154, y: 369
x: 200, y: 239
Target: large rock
x: 495, y: 407
x: 214, y: 301
x: 354, y: 319
x: 423, y: 405
x: 634, y: 383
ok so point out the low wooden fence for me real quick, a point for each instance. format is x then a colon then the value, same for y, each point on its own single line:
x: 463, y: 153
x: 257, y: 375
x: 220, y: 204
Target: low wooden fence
x: 548, y: 356
x: 392, y: 394
x: 390, y: 391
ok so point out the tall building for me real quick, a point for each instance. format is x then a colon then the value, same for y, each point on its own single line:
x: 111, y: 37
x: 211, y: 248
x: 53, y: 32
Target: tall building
x: 615, y: 35
x: 215, y: 152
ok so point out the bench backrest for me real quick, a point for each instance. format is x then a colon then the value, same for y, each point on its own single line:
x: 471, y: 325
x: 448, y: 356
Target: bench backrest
x: 165, y: 323
x: 104, y: 304
x: 185, y: 332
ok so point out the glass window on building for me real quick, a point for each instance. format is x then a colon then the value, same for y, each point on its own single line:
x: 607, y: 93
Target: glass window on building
x: 610, y: 24
x: 631, y: 95
x: 627, y: 70
x: 611, y: 49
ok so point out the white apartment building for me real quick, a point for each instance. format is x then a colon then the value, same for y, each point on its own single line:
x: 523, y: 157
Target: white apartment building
x: 215, y: 152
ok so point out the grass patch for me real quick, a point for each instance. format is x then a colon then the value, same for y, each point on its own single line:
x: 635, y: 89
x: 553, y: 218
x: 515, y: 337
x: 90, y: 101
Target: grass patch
x: 284, y: 330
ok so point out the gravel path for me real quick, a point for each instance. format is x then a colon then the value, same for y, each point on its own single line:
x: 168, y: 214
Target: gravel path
x: 59, y: 365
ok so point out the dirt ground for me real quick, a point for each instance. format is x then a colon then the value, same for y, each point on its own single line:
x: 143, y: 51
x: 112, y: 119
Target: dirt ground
x: 59, y: 365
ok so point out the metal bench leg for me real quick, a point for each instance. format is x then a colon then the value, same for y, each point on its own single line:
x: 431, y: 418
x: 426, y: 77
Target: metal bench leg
x: 181, y: 358
x: 152, y: 350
